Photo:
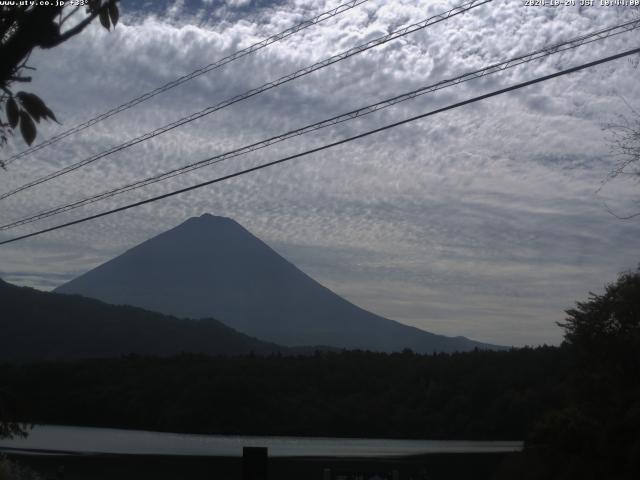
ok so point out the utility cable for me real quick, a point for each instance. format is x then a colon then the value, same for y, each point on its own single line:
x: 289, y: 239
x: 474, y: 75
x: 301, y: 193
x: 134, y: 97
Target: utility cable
x: 360, y: 112
x: 330, y: 145
x: 267, y: 86
x: 190, y: 76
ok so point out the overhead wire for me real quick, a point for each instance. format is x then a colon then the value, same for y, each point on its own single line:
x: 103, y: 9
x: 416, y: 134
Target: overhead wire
x: 330, y: 145
x: 573, y: 43
x: 250, y: 93
x: 190, y: 76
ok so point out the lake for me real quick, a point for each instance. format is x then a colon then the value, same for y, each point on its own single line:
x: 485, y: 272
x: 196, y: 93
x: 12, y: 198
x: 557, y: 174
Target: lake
x: 66, y: 439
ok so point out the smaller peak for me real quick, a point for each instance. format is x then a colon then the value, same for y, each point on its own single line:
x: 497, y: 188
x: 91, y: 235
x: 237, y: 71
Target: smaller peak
x: 209, y: 218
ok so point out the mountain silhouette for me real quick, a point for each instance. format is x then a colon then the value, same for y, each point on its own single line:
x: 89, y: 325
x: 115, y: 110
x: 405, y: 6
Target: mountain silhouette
x: 211, y: 266
x: 44, y: 326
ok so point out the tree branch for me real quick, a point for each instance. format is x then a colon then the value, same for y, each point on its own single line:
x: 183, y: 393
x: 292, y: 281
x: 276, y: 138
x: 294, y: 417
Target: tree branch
x: 82, y: 25
x: 620, y: 217
x: 66, y: 17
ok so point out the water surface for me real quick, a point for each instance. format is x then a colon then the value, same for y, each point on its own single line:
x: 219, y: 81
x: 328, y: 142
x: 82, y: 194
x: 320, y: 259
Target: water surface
x: 54, y: 439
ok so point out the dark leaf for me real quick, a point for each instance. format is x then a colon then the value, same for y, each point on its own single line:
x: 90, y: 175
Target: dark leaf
x: 27, y: 127
x: 49, y: 114
x: 93, y: 6
x: 114, y: 14
x: 35, y: 106
x: 13, y: 114
x: 104, y: 18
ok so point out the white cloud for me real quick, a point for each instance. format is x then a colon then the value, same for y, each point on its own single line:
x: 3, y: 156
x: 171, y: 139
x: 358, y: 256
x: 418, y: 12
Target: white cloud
x: 482, y: 221
x: 238, y: 3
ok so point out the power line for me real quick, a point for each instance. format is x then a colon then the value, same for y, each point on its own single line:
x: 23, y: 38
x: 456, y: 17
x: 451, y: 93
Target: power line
x: 190, y: 76
x: 267, y: 86
x: 330, y: 145
x: 360, y: 112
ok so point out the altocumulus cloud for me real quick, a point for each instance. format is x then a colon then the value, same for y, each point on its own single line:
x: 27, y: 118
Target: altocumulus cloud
x: 483, y: 221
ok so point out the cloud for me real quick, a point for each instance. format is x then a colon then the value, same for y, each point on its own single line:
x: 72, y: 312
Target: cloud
x: 238, y: 3
x: 483, y: 221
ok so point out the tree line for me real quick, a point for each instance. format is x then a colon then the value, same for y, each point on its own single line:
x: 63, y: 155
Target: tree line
x: 577, y: 406
x: 474, y: 395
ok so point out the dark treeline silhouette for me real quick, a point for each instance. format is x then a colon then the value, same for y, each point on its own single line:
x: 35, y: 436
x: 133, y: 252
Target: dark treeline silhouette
x: 42, y: 326
x: 577, y: 406
x: 473, y: 395
x: 595, y: 433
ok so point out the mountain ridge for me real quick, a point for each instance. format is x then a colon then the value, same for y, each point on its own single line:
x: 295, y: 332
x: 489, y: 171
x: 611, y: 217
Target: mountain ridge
x: 211, y: 266
x: 45, y: 326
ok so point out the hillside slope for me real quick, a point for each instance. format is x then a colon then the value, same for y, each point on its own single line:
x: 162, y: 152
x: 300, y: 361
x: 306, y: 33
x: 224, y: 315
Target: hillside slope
x: 42, y: 326
x: 212, y: 267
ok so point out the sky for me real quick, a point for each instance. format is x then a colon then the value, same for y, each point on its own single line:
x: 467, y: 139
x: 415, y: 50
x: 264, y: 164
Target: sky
x: 486, y: 221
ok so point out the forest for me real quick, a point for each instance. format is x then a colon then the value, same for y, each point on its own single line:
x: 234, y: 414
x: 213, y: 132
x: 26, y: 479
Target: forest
x: 577, y: 406
x: 475, y: 395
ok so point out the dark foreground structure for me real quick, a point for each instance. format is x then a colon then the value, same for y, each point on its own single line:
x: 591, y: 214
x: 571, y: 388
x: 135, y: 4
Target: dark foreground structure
x: 158, y: 467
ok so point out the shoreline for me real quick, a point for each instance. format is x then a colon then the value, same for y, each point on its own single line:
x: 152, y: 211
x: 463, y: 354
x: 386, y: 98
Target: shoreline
x: 434, y: 466
x: 91, y: 440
